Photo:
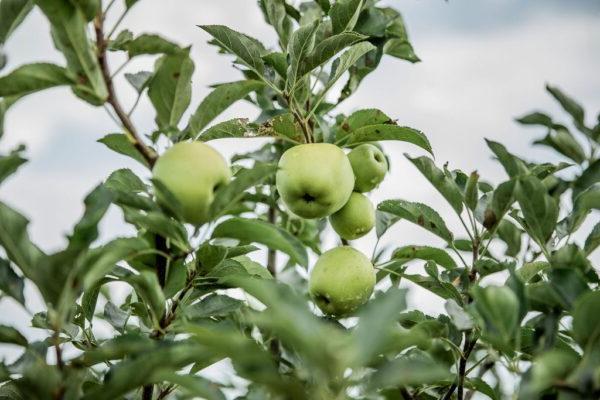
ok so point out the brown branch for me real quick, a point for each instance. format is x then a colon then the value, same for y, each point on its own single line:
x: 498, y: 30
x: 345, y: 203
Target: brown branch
x: 272, y: 268
x: 462, y: 367
x: 147, y: 392
x: 112, y: 99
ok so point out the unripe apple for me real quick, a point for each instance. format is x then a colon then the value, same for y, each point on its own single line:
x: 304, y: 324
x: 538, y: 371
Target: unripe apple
x: 192, y: 172
x: 355, y: 219
x: 369, y: 166
x: 341, y: 281
x: 314, y: 180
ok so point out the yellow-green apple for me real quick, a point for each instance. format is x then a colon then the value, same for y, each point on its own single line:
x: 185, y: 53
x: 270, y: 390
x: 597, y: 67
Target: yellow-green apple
x: 341, y: 281
x: 369, y: 166
x: 355, y: 219
x: 314, y: 180
x: 192, y: 172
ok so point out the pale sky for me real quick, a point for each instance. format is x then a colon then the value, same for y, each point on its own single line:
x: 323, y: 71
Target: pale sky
x: 484, y: 63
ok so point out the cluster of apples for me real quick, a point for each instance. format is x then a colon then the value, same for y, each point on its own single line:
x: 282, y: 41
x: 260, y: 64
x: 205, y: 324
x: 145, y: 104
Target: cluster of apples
x: 315, y: 180
x: 319, y: 180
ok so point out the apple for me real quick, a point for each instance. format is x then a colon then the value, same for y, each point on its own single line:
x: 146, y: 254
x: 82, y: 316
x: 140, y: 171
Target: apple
x: 355, y: 219
x: 369, y: 166
x: 192, y: 172
x: 341, y: 281
x: 314, y: 180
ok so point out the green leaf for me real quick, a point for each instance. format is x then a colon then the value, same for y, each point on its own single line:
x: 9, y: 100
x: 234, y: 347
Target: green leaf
x: 219, y: 100
x: 379, y: 132
x: 419, y: 214
x: 125, y: 180
x: 365, y: 117
x: 234, y: 128
x: 278, y: 61
x: 382, y: 312
x: 252, y: 267
x: 415, y: 368
x: 536, y: 118
x: 213, y: 305
x: 31, y: 78
x: 586, y: 201
x: 471, y: 191
x: 548, y: 368
x: 343, y: 64
x: 586, y: 320
x: 568, y: 104
x: 232, y: 193
x: 397, y: 45
x: 12, y: 13
x: 69, y: 31
x: 10, y: 163
x: 147, y: 286
x: 8, y: 334
x: 383, y: 221
x: 247, y: 49
x: 115, y: 316
x: 593, y: 240
x: 191, y: 385
x: 443, y: 289
x: 276, y: 15
x: 326, y: 49
x: 257, y: 231
x: 512, y: 164
x: 301, y: 44
x: 427, y: 253
x: 139, y: 80
x: 344, y: 14
x: 160, y: 224
x: 170, y: 89
x: 149, y: 44
x: 511, y: 235
x: 446, y: 186
x: 120, y: 143
x: 5, y: 104
x: 498, y: 306
x: 563, y: 142
x: 10, y: 283
x: 209, y: 256
x: 587, y: 178
x: 539, y: 209
x: 17, y: 245
x: 529, y: 270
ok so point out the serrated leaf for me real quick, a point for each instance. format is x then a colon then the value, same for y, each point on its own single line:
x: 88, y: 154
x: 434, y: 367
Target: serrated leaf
x: 427, y: 253
x: 160, y: 224
x: 344, y: 14
x: 213, y: 305
x: 10, y: 283
x: 120, y: 143
x: 219, y: 100
x: 10, y: 163
x: 139, y: 80
x: 125, y: 180
x: 247, y: 49
x: 409, y: 370
x: 419, y: 214
x: 12, y: 13
x: 170, y: 89
x: 301, y: 44
x: 381, y: 312
x: 443, y: 289
x: 383, y: 221
x: 233, y: 128
x: 31, y: 78
x: 380, y: 132
x: 257, y: 231
x: 326, y: 49
x: 69, y: 31
x: 245, y: 179
x: 568, y: 104
x: 593, y: 240
x: 539, y: 209
x: 8, y: 334
x: 446, y: 186
x: 512, y: 164
x: 276, y: 15
x: 149, y: 44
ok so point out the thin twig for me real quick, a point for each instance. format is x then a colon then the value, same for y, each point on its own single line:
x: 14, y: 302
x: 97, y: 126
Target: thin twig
x: 112, y: 99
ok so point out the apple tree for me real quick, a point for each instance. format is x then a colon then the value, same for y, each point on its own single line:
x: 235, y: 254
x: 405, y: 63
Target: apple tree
x: 229, y: 267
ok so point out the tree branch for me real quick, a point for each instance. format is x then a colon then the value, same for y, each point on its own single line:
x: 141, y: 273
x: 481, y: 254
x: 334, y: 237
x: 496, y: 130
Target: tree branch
x: 112, y: 99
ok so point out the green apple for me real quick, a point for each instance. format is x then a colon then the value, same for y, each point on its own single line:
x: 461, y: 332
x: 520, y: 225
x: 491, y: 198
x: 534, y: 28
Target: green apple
x: 314, y: 180
x: 341, y: 281
x: 355, y: 219
x: 369, y: 166
x: 192, y: 172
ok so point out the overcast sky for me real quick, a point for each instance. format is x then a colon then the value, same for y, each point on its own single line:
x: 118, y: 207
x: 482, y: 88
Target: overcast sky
x: 484, y: 63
